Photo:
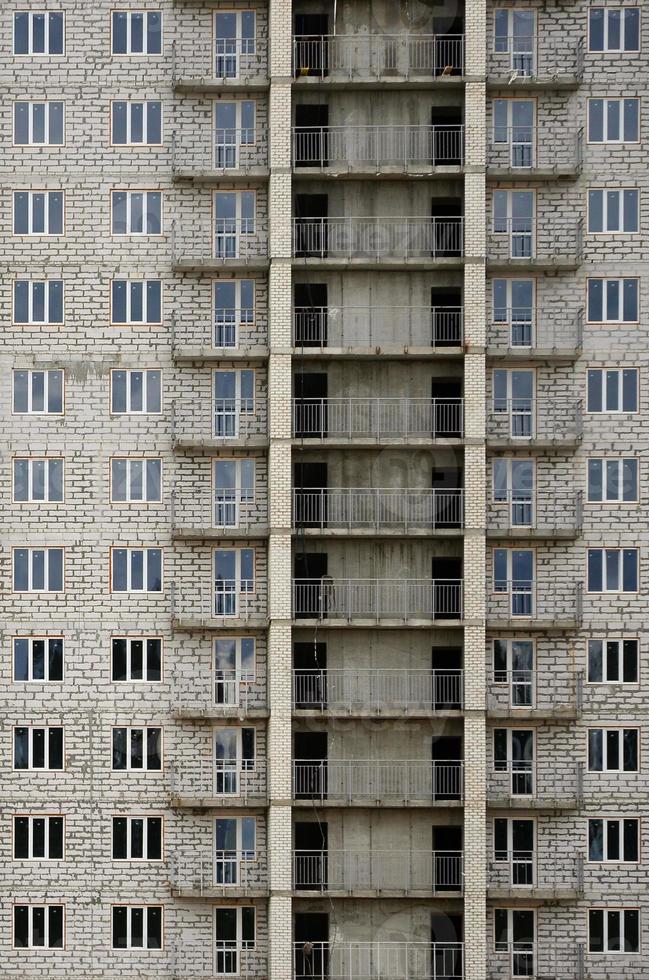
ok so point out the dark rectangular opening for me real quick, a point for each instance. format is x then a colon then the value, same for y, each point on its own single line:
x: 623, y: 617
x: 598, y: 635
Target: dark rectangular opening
x: 311, y: 210
x: 311, y: 47
x: 446, y: 935
x: 310, y: 314
x: 446, y: 313
x: 447, y: 407
x: 447, y: 751
x: 447, y: 136
x: 447, y: 482
x: 309, y: 568
x: 447, y: 576
x: 310, y: 412
x: 310, y: 842
x: 311, y: 934
x: 311, y: 146
x: 310, y: 666
x: 446, y: 213
x: 310, y: 752
x: 448, y: 31
x: 447, y: 860
x: 310, y: 482
x: 447, y: 679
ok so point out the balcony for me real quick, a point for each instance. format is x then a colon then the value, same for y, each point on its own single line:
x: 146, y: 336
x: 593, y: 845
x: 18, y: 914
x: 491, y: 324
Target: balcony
x: 521, y: 784
x: 369, y: 692
x: 529, y: 959
x: 231, y: 243
x: 230, y: 334
x: 377, y: 601
x: 532, y: 514
x: 340, y: 59
x: 195, y: 955
x: 201, y: 784
x: 378, y: 330
x: 521, y: 63
x: 551, y: 694
x: 527, y: 875
x: 377, y: 150
x: 541, y: 423
x: 372, y: 873
x: 224, y: 64
x: 205, y: 423
x: 368, y: 241
x: 213, y: 694
x: 221, y: 874
x: 225, y: 603
x: 374, y: 782
x: 528, y: 152
x: 215, y: 153
x: 515, y: 603
x: 525, y: 332
x: 369, y: 511
x: 378, y: 420
x: 527, y: 243
x: 202, y: 513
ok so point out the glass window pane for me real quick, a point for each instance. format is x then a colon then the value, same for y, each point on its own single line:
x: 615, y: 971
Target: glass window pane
x: 21, y: 659
x: 154, y: 391
x: 55, y: 479
x: 119, y: 212
x: 56, y: 32
x: 595, y: 211
x: 154, y: 569
x: 595, y: 491
x: 154, y: 122
x: 119, y: 927
x: 629, y: 390
x: 154, y: 659
x: 137, y: 33
x: 596, y: 120
x: 630, y: 118
x: 153, y: 479
x: 153, y: 301
x: 120, y: 569
x: 595, y: 750
x: 55, y: 659
x: 596, y: 930
x: 632, y: 29
x: 119, y: 659
x: 137, y: 122
x: 154, y: 32
x: 56, y: 301
x: 120, y: 110
x: 595, y: 570
x: 630, y: 210
x: 21, y: 33
x: 596, y: 29
x: 154, y: 213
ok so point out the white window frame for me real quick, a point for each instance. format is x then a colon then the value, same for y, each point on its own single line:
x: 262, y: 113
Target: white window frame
x: 144, y: 729
x: 129, y: 926
x: 129, y: 103
x: 129, y: 233
x: 623, y: 12
x: 230, y: 150
x: 225, y: 56
x: 129, y: 818
x: 229, y: 772
x: 510, y: 232
x: 606, y: 140
x: 31, y: 321
x: 232, y: 953
x: 229, y: 682
x: 30, y: 940
x: 511, y: 681
x: 37, y: 54
x: 130, y: 552
x: 244, y: 228
x: 129, y: 642
x: 228, y: 501
x: 129, y: 321
x: 31, y: 551
x: 517, y: 863
x: 30, y: 748
x: 31, y: 817
x: 605, y: 280
x: 528, y: 57
x: 618, y: 211
x: 238, y: 319
x: 622, y: 910
x: 232, y: 409
x: 30, y: 233
x: 526, y: 952
x: 603, y: 372
x: 620, y: 571
x: 517, y: 507
x: 30, y: 392
x: 606, y: 461
x: 142, y: 460
x: 620, y: 836
x: 31, y: 460
x: 619, y: 769
x: 230, y: 597
x: 620, y: 641
x: 129, y: 53
x: 30, y: 658
x: 30, y: 123
x: 514, y: 773
x: 146, y: 373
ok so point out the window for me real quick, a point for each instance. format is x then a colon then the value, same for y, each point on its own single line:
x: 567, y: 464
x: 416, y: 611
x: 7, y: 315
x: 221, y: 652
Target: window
x: 234, y: 843
x: 38, y: 838
x: 613, y: 661
x: 137, y: 32
x: 513, y: 215
x: 513, y: 485
x: 38, y: 32
x: 612, y: 569
x: 38, y: 926
x: 234, y: 578
x: 137, y: 748
x: 135, y: 480
x: 613, y: 931
x: 614, y: 29
x: 612, y: 480
x: 514, y: 306
x: 513, y: 665
x: 39, y: 124
x: 613, y: 390
x: 613, y: 749
x: 513, y: 125
x: 514, y: 844
x: 38, y: 480
x: 137, y: 838
x: 136, y: 123
x: 234, y: 395
x: 38, y: 658
x: 136, y: 301
x: 234, y: 217
x: 37, y: 392
x: 513, y: 394
x: 234, y: 127
x: 136, y: 658
x: 234, y: 39
x: 613, y: 120
x: 515, y: 934
x: 515, y: 34
x: 613, y: 211
x: 137, y: 926
x: 612, y: 300
x: 234, y: 665
x: 234, y: 485
x: 234, y: 753
x: 613, y: 840
x: 135, y: 392
x: 514, y: 754
x: 514, y: 575
x: 38, y: 301
x: 136, y: 569
x: 136, y: 212
x: 38, y: 748
x: 234, y: 932
x: 234, y: 307
x: 38, y: 569
x: 38, y: 212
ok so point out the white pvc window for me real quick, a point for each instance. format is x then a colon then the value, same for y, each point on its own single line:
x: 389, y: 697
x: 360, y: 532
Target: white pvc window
x: 613, y: 390
x: 38, y: 569
x: 614, y: 29
x: 137, y: 839
x: 39, y: 123
x: 39, y: 32
x: 38, y: 301
x: 137, y: 32
x: 39, y: 926
x: 613, y: 211
x: 135, y: 392
x: 612, y: 300
x: 234, y: 664
x: 614, y: 931
x: 136, y: 659
x: 234, y: 485
x: 613, y: 480
x: 137, y: 927
x: 234, y: 39
x: 612, y: 569
x: 38, y: 838
x: 614, y: 840
x: 136, y: 301
x: 613, y: 120
x: 136, y: 569
x: 37, y: 392
x: 135, y: 480
x: 234, y: 307
x: 136, y: 123
x: 613, y: 749
x: 613, y: 661
x: 37, y: 658
x: 137, y: 749
x: 38, y: 212
x: 136, y: 212
x: 38, y: 480
x: 38, y: 748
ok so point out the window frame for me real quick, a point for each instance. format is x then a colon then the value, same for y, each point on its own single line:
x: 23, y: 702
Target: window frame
x: 31, y: 322
x: 145, y: 304
x: 30, y: 122
x: 30, y: 395
x: 30, y: 549
x: 604, y: 372
x: 619, y: 500
x: 130, y: 549
x: 144, y: 729
x: 145, y: 372
x: 243, y: 677
x: 620, y: 770
x: 620, y: 571
x: 30, y: 210
x: 623, y: 12
x: 611, y: 142
x: 620, y: 280
x: 129, y: 216
x: 144, y: 638
x: 37, y: 54
x: 240, y: 944
x: 145, y: 501
x: 144, y: 817
x: 606, y: 820
x: 240, y: 322
x: 40, y: 905
x: 30, y: 748
x: 620, y: 641
x: 30, y: 659
x: 129, y: 906
x: 130, y: 12
x: 613, y: 232
x: 31, y: 817
x: 30, y: 479
x: 129, y: 145
x: 622, y: 909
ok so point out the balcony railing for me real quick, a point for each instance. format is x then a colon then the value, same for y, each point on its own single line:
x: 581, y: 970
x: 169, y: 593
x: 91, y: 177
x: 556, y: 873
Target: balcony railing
x: 532, y: 240
x: 201, y: 603
x: 378, y: 690
x: 201, y: 873
x: 366, y: 57
x: 230, y: 329
x: 512, y: 691
x: 528, y: 148
x: 203, y: 420
x: 521, y: 780
x: 521, y: 57
x: 522, y: 329
x: 377, y: 326
x: 363, y: 148
x: 219, y: 509
x: 529, y: 959
x: 376, y: 239
x: 544, y: 419
x: 547, y: 513
x: 219, y: 149
x: 374, y: 780
x: 194, y: 953
x: 366, y: 508
x: 399, y: 871
x: 228, y: 780
x: 213, y: 692
x: 376, y: 599
x: 230, y: 239
x: 378, y: 961
x: 541, y: 601
x: 378, y: 418
x: 518, y: 869
x: 221, y: 60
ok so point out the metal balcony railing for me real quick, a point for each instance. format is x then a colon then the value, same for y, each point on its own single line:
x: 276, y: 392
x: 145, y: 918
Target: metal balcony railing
x: 526, y: 328
x: 403, y: 871
x: 378, y: 961
x: 378, y: 780
x: 230, y: 329
x: 552, y: 419
x: 531, y: 57
x: 229, y: 239
x: 541, y: 601
x: 200, y: 603
x: 549, y: 513
x: 509, y: 961
x: 201, y: 959
x: 373, y: 147
x: 367, y: 508
x: 518, y: 869
x: 541, y: 241
x: 224, y: 779
x: 203, y: 419
x: 213, y: 692
x: 377, y: 326
x: 378, y: 690
x: 522, y: 779
x: 520, y: 690
x: 376, y: 239
x: 220, y: 60
x: 377, y: 56
x: 219, y: 149
x: 221, y: 508
x: 375, y: 599
x: 204, y: 873
x: 528, y: 148
x: 378, y: 418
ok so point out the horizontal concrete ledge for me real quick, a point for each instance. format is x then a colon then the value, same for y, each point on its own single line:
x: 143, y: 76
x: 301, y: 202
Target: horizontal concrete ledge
x: 206, y: 176
x: 540, y: 83
x: 558, y: 715
x: 389, y: 714
x: 208, y: 445
x: 189, y: 264
x: 451, y: 895
x: 214, y: 713
x: 391, y: 352
x: 568, y: 264
x: 533, y: 173
x: 252, y: 83
x: 373, y: 443
x: 429, y: 624
x: 217, y: 802
x: 534, y: 445
x: 215, y: 355
x: 191, y: 533
x: 534, y: 896
x: 380, y: 172
x: 526, y: 803
x: 194, y: 624
x: 210, y: 892
x: 566, y: 355
x: 377, y: 804
x: 391, y: 82
x: 534, y: 534
x: 369, y: 532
